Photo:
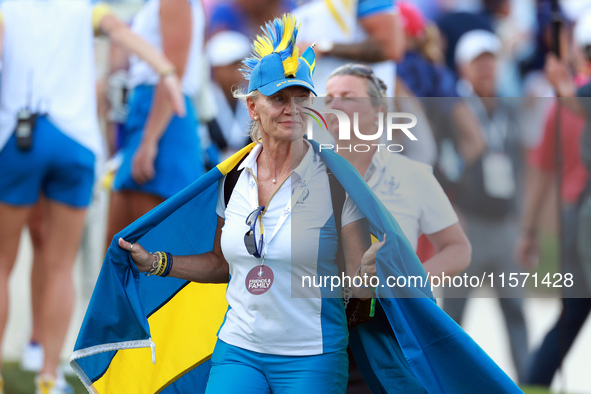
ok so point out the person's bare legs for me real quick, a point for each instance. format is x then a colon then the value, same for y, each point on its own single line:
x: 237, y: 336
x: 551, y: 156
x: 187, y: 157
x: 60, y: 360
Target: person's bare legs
x: 12, y: 220
x: 36, y: 224
x: 64, y: 232
x: 126, y: 207
x: 119, y: 215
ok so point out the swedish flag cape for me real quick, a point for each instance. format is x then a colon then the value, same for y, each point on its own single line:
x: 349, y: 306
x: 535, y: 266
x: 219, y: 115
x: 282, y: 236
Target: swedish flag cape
x: 150, y: 334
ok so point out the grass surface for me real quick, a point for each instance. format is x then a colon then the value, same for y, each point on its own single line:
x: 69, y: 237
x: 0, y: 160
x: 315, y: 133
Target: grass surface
x: 17, y: 381
x: 535, y: 390
x: 549, y: 263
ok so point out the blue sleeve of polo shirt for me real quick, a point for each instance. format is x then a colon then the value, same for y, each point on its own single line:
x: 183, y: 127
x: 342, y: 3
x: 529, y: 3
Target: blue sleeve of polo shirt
x: 367, y: 8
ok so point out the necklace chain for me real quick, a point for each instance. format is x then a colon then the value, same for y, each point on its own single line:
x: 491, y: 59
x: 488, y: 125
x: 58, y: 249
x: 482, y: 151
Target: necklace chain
x: 274, y: 178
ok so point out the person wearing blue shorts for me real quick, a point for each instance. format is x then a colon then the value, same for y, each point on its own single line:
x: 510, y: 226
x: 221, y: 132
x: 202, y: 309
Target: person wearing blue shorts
x: 49, y: 142
x: 161, y: 152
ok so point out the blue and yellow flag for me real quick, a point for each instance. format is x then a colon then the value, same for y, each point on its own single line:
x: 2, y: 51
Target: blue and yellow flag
x: 156, y: 335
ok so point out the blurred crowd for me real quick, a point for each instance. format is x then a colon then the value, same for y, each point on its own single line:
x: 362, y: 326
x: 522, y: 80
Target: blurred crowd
x: 480, y: 75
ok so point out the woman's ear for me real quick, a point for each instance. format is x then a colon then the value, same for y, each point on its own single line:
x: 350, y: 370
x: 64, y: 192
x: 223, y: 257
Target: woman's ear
x: 252, y: 111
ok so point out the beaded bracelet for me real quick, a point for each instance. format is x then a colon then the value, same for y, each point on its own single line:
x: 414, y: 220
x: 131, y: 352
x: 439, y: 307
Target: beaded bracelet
x: 162, y: 264
x: 168, y: 266
x: 155, y: 265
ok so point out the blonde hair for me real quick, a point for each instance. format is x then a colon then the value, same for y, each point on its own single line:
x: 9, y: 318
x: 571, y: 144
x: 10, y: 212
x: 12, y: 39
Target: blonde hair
x: 253, y: 127
x: 430, y: 44
x: 376, y: 88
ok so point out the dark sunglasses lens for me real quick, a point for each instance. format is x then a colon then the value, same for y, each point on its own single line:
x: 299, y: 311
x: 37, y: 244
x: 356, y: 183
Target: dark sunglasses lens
x: 249, y: 238
x: 250, y: 243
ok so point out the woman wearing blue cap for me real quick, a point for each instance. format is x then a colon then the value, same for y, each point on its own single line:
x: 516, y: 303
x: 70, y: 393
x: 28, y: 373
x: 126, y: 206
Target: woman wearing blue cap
x: 274, y: 339
x: 276, y: 226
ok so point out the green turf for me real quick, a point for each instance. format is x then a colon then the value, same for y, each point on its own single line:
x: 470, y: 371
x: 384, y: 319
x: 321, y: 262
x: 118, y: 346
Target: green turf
x: 17, y: 381
x: 548, y: 264
x: 535, y: 390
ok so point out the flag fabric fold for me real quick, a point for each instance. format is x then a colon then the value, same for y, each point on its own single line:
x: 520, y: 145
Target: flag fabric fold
x: 133, y: 320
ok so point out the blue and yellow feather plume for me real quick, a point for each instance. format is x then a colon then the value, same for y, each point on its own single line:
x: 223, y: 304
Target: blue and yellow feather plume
x: 279, y: 36
x: 310, y: 58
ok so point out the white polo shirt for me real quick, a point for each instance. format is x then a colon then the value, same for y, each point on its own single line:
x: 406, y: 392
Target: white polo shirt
x: 147, y: 25
x: 286, y: 320
x: 411, y: 193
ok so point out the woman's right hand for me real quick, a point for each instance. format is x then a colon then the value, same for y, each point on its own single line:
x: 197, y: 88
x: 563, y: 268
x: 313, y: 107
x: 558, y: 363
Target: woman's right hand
x: 142, y: 169
x: 139, y: 255
x: 173, y: 86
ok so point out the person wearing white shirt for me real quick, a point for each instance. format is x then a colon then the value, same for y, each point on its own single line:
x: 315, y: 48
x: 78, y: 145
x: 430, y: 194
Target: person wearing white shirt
x: 406, y: 187
x: 49, y: 142
x: 273, y: 340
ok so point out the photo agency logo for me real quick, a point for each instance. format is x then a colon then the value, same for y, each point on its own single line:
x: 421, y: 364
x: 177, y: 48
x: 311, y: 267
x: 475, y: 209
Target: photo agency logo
x: 392, y: 122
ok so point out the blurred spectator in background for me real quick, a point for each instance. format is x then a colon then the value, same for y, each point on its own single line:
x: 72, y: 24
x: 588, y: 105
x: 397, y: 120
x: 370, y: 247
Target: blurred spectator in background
x: 534, y: 63
x: 225, y: 51
x: 430, y: 8
x: 115, y: 98
x: 488, y: 202
x: 162, y: 152
x: 369, y: 33
x: 421, y: 67
x: 245, y: 16
x: 112, y: 111
x: 454, y: 25
x: 576, y: 301
x: 531, y: 67
x: 424, y: 149
x: 44, y: 113
x: 457, y: 131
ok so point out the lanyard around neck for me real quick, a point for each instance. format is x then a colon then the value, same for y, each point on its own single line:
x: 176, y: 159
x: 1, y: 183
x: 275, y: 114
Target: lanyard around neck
x: 253, y: 194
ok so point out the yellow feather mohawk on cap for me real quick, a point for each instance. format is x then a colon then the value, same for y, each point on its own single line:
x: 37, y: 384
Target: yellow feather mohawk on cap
x: 275, y: 58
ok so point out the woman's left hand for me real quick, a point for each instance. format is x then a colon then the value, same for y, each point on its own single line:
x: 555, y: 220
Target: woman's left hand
x: 142, y: 169
x: 368, y: 262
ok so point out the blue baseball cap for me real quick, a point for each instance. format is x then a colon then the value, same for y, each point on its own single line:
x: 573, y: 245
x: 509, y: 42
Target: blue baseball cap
x: 275, y: 64
x: 268, y: 77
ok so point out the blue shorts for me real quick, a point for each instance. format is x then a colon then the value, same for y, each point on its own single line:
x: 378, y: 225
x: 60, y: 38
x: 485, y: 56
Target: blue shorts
x: 179, y: 161
x: 236, y: 370
x: 56, y: 165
